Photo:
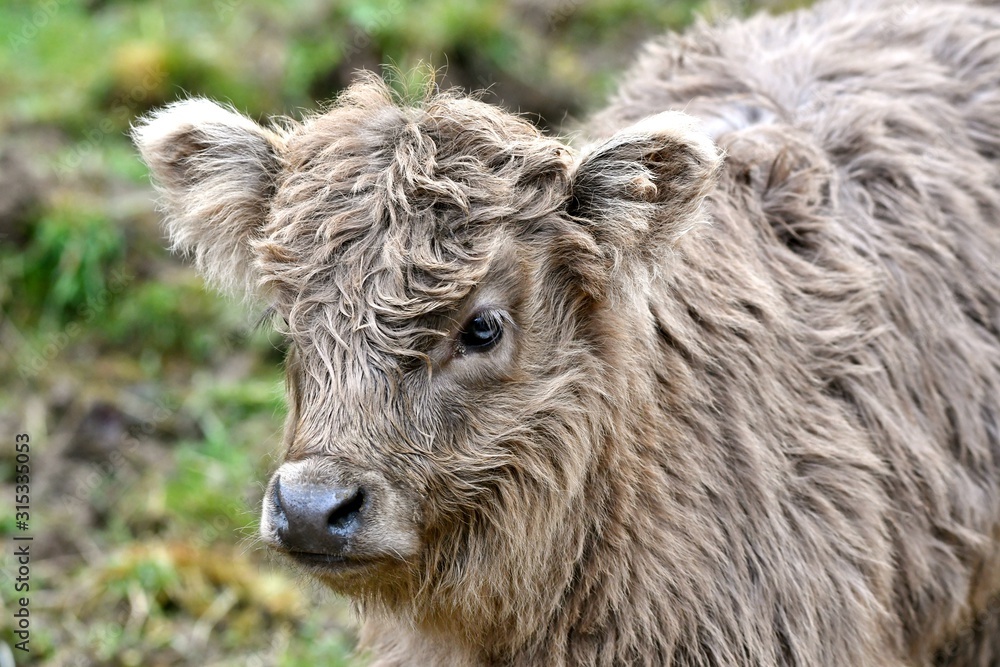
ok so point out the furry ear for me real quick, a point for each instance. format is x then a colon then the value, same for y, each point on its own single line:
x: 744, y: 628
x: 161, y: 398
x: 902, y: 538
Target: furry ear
x: 216, y: 172
x: 642, y: 188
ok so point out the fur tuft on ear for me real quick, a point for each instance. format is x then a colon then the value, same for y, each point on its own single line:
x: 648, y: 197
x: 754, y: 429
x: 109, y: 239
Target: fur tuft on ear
x: 216, y: 172
x: 643, y: 188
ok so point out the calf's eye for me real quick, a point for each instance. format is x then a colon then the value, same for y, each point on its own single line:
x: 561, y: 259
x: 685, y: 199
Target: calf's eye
x: 481, y: 333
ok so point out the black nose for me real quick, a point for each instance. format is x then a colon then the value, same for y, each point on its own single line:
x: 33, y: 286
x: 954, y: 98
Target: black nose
x: 316, y: 519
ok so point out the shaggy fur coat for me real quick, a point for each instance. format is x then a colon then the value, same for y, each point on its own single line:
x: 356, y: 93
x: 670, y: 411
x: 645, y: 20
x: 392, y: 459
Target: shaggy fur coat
x: 745, y: 409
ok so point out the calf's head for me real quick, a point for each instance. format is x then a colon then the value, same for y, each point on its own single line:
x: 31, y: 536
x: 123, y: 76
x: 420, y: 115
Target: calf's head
x: 451, y: 283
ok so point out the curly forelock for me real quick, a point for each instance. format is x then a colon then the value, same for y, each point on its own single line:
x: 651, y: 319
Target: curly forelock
x: 394, y: 212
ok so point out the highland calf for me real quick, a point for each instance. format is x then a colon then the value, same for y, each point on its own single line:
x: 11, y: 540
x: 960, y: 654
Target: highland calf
x: 639, y: 404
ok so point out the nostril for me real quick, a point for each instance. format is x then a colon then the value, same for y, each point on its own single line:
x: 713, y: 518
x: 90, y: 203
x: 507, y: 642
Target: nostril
x: 278, y: 510
x: 346, y: 513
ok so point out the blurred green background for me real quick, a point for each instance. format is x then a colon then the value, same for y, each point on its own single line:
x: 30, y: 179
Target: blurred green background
x: 154, y: 408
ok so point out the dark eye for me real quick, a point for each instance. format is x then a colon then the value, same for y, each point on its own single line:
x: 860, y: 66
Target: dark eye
x: 481, y: 333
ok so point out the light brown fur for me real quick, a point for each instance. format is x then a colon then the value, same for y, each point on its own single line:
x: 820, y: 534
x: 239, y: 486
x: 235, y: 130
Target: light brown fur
x: 771, y: 439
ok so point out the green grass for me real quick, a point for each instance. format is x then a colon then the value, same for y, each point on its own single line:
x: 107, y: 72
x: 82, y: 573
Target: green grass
x: 63, y: 272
